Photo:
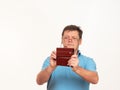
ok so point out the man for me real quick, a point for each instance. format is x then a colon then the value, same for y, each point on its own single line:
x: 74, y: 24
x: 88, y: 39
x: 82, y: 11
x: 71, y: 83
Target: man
x: 79, y: 75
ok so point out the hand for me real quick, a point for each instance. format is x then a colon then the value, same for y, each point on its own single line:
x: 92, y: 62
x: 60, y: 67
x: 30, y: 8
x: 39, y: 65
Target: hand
x: 52, y: 59
x: 73, y: 62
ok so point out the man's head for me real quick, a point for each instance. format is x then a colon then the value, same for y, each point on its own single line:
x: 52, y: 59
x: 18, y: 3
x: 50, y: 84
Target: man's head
x: 71, y: 37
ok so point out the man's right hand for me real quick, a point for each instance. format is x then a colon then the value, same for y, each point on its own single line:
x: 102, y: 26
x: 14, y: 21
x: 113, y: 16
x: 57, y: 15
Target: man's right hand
x: 53, y: 62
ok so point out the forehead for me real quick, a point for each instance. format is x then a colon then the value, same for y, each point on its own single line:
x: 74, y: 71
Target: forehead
x: 70, y: 33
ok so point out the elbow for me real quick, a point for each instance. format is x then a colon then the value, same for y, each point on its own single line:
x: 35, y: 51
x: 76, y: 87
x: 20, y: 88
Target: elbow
x: 95, y: 81
x: 38, y: 82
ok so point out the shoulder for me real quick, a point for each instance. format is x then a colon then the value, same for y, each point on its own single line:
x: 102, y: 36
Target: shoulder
x: 87, y: 62
x: 46, y: 63
x: 82, y: 56
x: 86, y: 59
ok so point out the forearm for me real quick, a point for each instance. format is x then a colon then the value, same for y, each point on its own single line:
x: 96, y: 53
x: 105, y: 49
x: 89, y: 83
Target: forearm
x: 44, y: 75
x: 89, y: 76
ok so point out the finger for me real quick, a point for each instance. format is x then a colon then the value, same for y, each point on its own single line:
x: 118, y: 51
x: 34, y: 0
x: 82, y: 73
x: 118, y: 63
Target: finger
x: 74, y: 56
x: 70, y: 62
x: 53, y: 55
x: 54, y: 52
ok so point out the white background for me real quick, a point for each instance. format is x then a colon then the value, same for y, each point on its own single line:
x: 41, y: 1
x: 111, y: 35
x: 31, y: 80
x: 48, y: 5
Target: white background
x: 31, y: 29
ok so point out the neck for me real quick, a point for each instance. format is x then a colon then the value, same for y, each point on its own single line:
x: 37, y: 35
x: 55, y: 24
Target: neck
x: 76, y: 52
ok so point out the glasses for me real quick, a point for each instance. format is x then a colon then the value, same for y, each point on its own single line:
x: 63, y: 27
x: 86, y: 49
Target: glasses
x: 66, y: 38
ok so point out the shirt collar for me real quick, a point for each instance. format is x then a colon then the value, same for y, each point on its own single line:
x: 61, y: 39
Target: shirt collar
x: 79, y: 53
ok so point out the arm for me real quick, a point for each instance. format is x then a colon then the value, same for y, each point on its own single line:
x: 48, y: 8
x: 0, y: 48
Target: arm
x: 89, y: 76
x: 44, y: 75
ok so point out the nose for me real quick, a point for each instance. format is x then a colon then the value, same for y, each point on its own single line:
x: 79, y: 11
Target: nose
x: 70, y: 39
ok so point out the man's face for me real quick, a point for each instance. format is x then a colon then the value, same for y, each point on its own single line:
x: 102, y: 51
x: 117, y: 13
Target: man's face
x: 70, y: 39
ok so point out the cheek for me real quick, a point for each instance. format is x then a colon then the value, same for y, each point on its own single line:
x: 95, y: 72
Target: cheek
x: 76, y: 45
x: 64, y: 43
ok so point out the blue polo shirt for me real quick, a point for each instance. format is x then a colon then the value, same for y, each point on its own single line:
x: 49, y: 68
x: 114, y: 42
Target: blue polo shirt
x: 63, y: 78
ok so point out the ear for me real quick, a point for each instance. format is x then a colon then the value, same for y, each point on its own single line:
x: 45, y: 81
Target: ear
x: 61, y: 40
x: 80, y: 41
x: 61, y: 45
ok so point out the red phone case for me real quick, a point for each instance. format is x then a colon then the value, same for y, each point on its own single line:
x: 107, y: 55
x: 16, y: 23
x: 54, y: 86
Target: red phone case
x: 63, y: 55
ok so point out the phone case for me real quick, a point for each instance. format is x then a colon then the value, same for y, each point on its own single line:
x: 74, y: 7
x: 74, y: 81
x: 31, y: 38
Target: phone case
x: 63, y: 55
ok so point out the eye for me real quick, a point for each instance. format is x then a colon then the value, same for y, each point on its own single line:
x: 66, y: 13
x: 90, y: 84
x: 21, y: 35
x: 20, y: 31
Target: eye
x: 65, y: 37
x: 74, y: 38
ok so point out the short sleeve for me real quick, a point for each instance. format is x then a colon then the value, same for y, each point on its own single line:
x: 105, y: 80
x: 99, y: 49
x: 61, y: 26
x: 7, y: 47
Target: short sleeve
x: 91, y: 65
x: 46, y: 63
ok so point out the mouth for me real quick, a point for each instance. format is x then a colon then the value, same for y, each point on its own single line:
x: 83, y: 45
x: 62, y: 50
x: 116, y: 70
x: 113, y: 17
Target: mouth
x: 69, y: 46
